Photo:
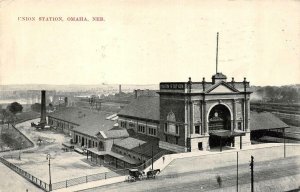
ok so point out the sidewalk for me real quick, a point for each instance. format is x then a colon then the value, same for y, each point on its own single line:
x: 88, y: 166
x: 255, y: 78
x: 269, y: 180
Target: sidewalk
x: 93, y: 184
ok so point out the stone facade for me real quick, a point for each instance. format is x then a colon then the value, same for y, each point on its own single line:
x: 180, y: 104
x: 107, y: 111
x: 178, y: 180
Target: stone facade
x: 199, y: 108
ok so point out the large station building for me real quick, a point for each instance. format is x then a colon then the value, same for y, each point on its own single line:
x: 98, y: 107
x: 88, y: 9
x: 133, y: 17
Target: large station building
x: 180, y: 117
x: 189, y: 116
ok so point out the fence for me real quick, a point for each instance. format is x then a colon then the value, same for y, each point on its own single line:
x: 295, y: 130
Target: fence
x: 75, y: 181
x: 39, y: 183
x: 100, y: 176
x: 88, y: 178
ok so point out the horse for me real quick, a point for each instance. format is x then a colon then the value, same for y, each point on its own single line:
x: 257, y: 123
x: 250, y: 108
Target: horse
x: 152, y: 173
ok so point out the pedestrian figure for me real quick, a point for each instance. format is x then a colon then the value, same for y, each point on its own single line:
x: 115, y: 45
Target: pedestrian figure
x: 219, y: 180
x: 163, y: 159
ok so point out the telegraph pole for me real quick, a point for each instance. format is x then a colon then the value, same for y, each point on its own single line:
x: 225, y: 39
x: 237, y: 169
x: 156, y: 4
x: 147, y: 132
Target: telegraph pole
x: 237, y: 171
x: 152, y: 157
x: 252, y: 177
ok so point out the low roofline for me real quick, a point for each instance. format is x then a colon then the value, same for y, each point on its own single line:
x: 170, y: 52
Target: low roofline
x: 138, y: 118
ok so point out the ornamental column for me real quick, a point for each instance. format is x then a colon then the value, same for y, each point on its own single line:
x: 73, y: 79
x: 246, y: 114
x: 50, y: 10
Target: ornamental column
x: 205, y: 123
x: 247, y: 115
x: 234, y: 114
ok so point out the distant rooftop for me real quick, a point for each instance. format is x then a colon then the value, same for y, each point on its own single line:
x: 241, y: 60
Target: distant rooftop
x: 88, y: 122
x: 144, y: 107
x: 265, y: 121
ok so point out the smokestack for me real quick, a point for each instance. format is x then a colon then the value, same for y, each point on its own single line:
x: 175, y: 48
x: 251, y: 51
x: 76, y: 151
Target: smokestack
x: 120, y: 89
x: 43, y: 107
x: 66, y: 101
x: 135, y: 94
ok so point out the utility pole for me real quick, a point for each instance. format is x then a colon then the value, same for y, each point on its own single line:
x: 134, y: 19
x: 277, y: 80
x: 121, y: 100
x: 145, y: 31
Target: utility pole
x: 284, y: 147
x: 237, y: 171
x: 152, y: 157
x: 252, y: 177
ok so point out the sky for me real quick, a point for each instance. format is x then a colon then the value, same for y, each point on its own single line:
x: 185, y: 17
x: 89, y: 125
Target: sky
x: 143, y: 42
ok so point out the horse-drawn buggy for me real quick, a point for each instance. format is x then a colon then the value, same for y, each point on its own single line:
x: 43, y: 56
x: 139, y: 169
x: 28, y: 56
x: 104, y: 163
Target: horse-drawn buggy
x: 135, y: 174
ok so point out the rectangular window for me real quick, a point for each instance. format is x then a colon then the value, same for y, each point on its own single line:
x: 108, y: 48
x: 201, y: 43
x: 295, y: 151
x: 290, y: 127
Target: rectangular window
x: 141, y: 129
x: 151, y: 131
x: 197, y: 129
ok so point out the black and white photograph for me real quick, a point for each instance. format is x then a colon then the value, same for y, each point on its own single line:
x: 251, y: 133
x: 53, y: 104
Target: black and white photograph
x: 137, y: 95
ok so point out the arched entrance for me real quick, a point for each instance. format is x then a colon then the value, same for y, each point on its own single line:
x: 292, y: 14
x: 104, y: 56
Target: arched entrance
x: 219, y: 120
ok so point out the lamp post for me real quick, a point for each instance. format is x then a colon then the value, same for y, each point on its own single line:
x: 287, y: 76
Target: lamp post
x: 20, y: 151
x: 48, y: 157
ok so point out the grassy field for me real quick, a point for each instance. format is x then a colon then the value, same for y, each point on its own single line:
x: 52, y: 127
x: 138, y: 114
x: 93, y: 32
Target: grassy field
x: 11, y: 139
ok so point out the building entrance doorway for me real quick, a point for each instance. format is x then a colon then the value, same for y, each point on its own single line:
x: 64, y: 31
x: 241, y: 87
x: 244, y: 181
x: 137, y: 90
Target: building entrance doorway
x: 219, y: 122
x: 82, y: 141
x: 219, y: 118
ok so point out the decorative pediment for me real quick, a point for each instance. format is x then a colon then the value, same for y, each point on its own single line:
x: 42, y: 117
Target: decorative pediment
x: 222, y: 87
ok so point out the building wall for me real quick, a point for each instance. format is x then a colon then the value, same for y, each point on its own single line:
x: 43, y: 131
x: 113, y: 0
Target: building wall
x: 144, y: 127
x: 192, y: 117
x: 61, y: 125
x: 176, y: 105
x: 88, y: 141
x: 129, y: 153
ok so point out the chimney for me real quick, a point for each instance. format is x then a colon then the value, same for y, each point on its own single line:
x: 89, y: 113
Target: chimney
x: 135, y: 94
x: 120, y: 89
x: 43, y: 107
x: 66, y: 101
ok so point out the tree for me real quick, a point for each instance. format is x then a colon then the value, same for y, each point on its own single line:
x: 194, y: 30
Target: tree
x: 36, y: 107
x: 6, y: 116
x: 15, y: 107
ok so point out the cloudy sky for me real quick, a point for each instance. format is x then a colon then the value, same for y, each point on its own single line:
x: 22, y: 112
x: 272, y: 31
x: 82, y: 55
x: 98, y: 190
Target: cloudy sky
x: 146, y: 43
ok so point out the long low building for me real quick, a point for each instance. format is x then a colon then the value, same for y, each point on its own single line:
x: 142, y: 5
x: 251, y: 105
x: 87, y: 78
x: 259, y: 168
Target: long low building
x: 101, y: 136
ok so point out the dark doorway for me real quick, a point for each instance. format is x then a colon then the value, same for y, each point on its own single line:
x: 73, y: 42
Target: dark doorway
x: 200, y: 146
x: 100, y: 146
x: 76, y: 138
x: 82, y: 141
x: 215, y: 141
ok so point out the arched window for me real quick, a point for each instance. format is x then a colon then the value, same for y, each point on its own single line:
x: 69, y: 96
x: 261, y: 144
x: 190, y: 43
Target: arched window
x: 171, y: 125
x: 171, y: 117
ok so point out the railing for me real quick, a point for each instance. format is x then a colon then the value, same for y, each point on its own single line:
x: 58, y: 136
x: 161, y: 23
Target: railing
x: 101, y: 176
x: 88, y: 178
x: 39, y: 183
